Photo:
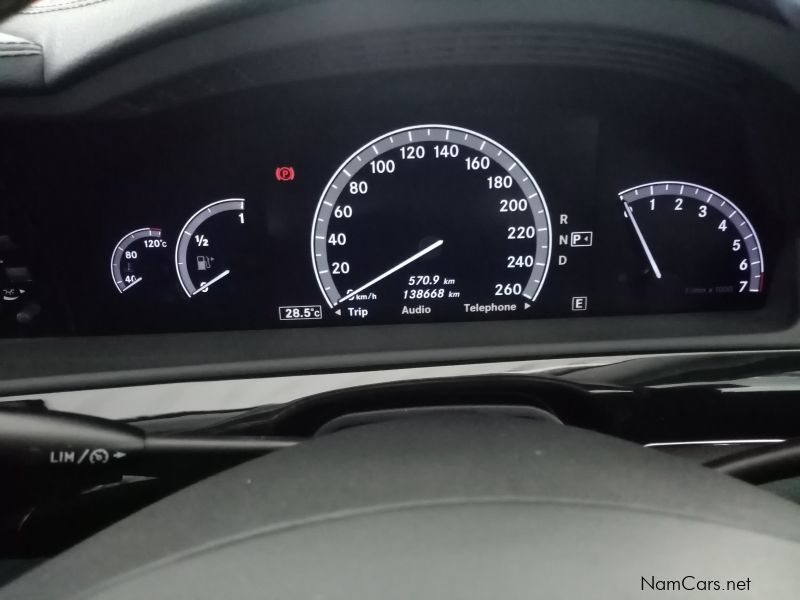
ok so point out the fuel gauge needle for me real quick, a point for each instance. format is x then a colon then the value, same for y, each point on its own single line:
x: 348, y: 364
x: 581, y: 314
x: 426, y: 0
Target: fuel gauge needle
x: 208, y: 284
x: 649, y: 254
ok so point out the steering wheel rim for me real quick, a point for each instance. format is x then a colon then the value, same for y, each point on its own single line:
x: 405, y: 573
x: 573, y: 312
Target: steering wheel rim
x: 461, y: 507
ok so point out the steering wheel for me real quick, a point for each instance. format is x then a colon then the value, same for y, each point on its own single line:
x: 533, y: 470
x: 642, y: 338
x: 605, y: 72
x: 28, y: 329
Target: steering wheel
x: 463, y: 507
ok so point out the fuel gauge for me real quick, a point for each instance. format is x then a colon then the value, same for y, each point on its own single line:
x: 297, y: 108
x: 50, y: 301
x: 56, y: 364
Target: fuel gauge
x: 209, y: 247
x: 136, y: 257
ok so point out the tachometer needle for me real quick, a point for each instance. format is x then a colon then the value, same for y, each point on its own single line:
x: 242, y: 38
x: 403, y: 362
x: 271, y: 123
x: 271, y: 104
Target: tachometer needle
x: 394, y: 269
x: 208, y: 284
x: 649, y: 254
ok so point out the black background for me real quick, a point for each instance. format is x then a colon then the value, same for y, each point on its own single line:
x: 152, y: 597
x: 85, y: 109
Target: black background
x: 71, y: 190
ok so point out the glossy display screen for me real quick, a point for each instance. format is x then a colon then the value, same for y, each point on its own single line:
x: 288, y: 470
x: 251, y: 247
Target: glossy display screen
x: 383, y: 200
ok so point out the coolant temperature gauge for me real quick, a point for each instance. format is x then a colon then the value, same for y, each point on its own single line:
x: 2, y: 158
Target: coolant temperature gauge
x: 136, y: 256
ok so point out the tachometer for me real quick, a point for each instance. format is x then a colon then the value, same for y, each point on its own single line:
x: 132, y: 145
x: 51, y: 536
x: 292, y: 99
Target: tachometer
x: 695, y: 241
x: 431, y: 220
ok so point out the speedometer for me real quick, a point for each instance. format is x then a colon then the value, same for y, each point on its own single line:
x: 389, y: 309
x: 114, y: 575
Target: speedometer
x: 431, y: 220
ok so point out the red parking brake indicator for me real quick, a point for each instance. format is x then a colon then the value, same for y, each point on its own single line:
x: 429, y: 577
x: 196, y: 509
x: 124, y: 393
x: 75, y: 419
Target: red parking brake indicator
x: 284, y: 173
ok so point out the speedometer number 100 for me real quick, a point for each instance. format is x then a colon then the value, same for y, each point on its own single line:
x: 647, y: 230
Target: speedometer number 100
x: 450, y: 203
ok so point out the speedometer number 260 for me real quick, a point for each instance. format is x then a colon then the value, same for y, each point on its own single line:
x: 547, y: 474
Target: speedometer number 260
x: 431, y: 220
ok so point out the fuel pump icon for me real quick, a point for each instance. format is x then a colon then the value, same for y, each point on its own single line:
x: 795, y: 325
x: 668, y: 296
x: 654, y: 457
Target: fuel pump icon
x: 204, y: 263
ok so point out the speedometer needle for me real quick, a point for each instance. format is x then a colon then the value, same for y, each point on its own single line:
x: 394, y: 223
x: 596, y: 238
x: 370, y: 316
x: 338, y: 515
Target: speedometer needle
x: 394, y: 269
x: 208, y: 284
x: 649, y: 254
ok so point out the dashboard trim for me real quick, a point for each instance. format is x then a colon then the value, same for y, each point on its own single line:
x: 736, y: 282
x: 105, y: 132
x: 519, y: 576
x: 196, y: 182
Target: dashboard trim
x: 290, y: 28
x: 715, y: 442
x: 759, y: 371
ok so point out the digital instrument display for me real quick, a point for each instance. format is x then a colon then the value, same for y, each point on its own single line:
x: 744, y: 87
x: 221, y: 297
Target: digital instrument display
x: 251, y: 214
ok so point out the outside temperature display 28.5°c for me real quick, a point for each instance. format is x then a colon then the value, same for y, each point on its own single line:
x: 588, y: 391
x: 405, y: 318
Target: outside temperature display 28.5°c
x: 431, y: 220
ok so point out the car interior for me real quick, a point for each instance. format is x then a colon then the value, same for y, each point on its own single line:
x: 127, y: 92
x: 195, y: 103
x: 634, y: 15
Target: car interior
x: 433, y: 299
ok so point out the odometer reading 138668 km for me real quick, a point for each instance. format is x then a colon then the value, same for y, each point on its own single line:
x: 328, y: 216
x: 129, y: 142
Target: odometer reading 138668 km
x: 431, y: 222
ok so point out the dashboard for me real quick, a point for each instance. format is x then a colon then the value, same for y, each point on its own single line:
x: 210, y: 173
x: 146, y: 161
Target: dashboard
x: 230, y: 227
x: 422, y: 197
x: 317, y: 187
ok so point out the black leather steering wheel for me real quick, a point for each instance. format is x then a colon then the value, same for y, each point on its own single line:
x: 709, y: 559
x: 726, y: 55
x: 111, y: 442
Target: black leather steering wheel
x: 459, y: 508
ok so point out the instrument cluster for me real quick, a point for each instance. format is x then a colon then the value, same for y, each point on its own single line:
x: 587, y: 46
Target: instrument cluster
x: 453, y: 203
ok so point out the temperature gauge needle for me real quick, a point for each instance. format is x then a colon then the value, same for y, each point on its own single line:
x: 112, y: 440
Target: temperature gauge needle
x: 132, y: 283
x: 208, y: 284
x: 649, y: 254
x: 394, y: 269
